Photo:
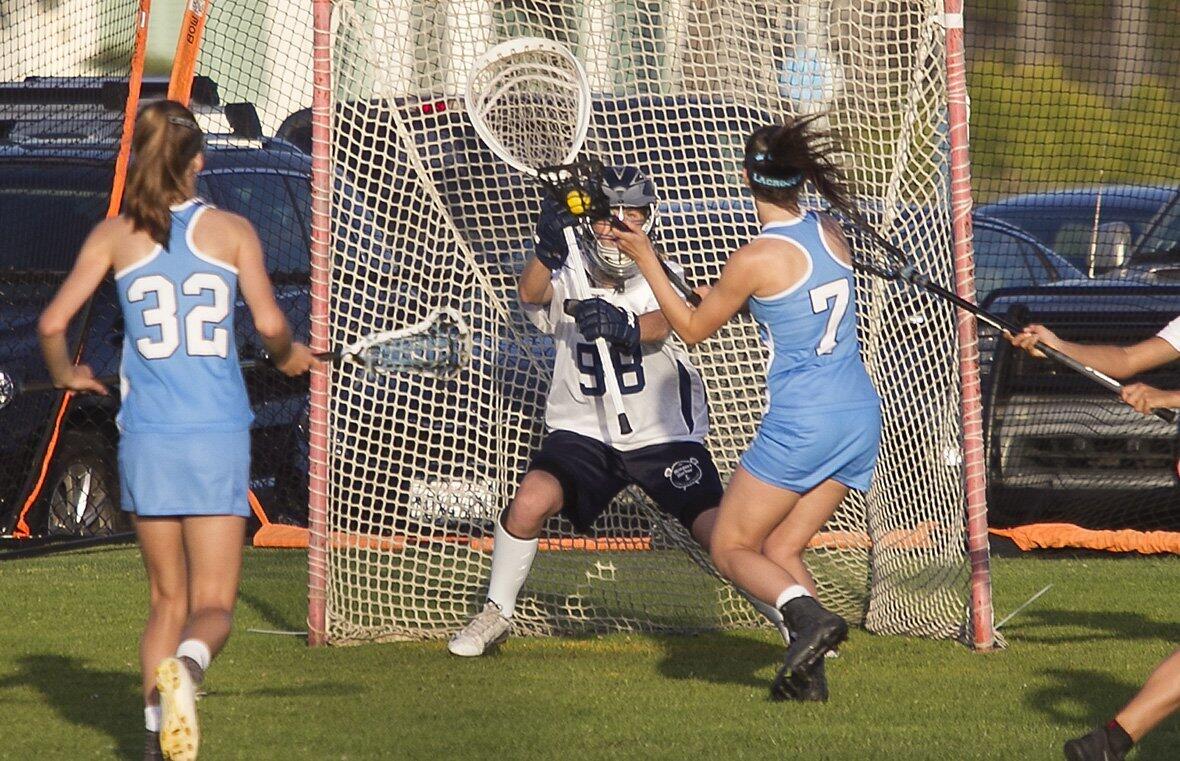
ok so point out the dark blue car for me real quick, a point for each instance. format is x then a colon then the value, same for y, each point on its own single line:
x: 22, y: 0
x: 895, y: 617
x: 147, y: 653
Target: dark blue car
x: 53, y: 188
x: 1124, y: 227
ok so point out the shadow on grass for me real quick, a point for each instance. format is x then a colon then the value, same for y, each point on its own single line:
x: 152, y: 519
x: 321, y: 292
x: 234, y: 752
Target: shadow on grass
x: 1122, y: 626
x: 108, y: 701
x: 318, y: 689
x: 271, y: 614
x: 1079, y: 700
x: 727, y: 658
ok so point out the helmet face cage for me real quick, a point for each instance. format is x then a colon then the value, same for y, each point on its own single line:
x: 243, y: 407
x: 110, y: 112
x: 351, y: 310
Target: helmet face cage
x: 626, y: 188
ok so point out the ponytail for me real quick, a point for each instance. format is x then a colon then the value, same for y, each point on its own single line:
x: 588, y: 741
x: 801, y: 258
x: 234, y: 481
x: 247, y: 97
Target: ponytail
x: 166, y: 140
x: 780, y: 158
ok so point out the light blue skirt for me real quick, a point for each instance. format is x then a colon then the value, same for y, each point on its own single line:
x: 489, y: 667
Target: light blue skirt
x: 174, y: 474
x: 801, y: 452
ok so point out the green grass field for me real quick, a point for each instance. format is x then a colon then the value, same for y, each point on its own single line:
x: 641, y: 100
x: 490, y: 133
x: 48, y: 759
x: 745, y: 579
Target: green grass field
x: 69, y: 682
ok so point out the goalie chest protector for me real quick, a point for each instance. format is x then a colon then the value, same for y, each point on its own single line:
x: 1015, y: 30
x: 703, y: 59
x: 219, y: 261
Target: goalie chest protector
x: 662, y: 392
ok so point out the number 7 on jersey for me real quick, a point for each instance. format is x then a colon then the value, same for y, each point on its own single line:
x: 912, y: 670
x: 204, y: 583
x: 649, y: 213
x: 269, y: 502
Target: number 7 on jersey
x: 831, y: 298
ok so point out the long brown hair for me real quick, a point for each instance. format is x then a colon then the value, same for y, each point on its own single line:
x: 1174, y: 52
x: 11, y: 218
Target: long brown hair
x: 166, y: 140
x: 779, y: 158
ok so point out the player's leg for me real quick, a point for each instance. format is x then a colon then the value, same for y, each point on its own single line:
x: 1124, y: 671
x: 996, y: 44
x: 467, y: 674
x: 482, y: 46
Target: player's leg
x: 213, y: 553
x: 702, y: 532
x: 787, y: 543
x: 682, y: 479
x: 750, y: 510
x: 516, y: 539
x: 785, y: 546
x: 213, y: 545
x: 1158, y: 699
x: 163, y: 558
x: 569, y: 472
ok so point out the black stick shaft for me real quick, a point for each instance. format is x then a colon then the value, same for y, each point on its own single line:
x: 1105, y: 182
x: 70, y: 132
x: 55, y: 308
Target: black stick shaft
x: 924, y: 282
x: 678, y: 282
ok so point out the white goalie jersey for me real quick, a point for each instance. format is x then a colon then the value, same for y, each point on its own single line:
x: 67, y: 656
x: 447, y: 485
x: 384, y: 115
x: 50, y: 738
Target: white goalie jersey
x: 662, y: 392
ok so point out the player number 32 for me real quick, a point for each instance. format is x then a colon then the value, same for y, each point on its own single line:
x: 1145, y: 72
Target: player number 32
x: 198, y: 341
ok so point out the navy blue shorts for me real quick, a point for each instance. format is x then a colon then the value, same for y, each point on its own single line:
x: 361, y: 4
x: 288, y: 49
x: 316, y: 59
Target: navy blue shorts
x: 174, y: 474
x: 679, y: 476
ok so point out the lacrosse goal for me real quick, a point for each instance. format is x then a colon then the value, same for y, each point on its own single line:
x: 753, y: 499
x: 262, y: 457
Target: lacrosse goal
x: 414, y: 215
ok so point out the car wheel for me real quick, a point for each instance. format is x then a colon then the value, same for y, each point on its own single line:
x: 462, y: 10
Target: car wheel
x: 83, y: 488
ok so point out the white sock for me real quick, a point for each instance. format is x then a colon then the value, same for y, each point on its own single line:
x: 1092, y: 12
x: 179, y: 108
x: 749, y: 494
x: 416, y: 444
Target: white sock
x: 151, y: 718
x: 197, y: 650
x: 512, y: 559
x: 772, y: 614
x: 790, y: 593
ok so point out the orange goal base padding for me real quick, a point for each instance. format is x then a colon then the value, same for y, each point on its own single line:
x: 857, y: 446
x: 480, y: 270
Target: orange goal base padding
x: 275, y: 536
x: 1051, y: 536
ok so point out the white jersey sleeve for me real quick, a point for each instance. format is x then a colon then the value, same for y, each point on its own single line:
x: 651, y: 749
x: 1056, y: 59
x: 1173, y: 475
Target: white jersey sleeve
x: 542, y: 315
x: 1171, y: 333
x: 663, y: 393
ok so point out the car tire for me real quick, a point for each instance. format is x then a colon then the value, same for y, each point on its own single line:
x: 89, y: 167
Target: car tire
x: 82, y: 491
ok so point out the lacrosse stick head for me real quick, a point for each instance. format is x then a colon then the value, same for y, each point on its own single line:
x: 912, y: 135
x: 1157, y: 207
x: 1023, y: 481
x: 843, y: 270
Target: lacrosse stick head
x: 529, y: 101
x: 578, y: 185
x: 438, y: 347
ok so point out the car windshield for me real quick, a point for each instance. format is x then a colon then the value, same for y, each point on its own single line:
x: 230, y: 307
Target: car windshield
x: 1004, y: 260
x: 1162, y: 239
x: 46, y: 212
x: 279, y: 208
x: 1066, y: 222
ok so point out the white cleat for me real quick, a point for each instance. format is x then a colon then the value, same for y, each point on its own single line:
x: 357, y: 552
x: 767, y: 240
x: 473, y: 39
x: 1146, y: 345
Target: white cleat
x: 483, y: 632
x: 179, y: 735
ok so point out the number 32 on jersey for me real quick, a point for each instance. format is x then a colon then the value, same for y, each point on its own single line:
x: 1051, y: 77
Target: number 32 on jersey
x: 199, y: 341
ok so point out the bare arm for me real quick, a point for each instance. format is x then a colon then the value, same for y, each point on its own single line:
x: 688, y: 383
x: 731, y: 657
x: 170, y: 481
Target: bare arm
x: 290, y: 357
x: 535, y: 285
x: 653, y: 327
x: 92, y: 265
x: 727, y: 297
x: 1116, y: 361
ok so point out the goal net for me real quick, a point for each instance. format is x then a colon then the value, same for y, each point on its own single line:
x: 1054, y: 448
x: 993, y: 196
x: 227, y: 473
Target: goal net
x: 422, y: 216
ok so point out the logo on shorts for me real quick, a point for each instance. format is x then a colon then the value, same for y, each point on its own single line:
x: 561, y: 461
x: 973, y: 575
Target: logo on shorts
x: 684, y: 473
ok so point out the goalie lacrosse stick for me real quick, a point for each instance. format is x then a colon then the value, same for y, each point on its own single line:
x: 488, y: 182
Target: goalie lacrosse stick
x: 529, y: 101
x: 438, y: 347
x: 873, y: 253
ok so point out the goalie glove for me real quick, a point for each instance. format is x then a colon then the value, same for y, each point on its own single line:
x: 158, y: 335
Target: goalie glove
x: 549, y: 242
x: 598, y: 318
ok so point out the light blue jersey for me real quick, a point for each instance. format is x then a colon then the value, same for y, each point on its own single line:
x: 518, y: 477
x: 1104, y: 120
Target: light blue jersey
x: 810, y: 329
x: 180, y: 371
x: 823, y: 418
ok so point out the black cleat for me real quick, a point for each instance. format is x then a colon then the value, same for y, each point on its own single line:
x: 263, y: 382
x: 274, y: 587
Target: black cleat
x: 809, y: 686
x: 151, y: 746
x: 1092, y: 747
x: 818, y: 631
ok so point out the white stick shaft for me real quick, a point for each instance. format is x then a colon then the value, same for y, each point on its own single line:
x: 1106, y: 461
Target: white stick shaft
x: 582, y: 292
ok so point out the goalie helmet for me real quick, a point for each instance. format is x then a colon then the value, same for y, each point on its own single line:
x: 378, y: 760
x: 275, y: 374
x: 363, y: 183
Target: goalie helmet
x: 626, y: 188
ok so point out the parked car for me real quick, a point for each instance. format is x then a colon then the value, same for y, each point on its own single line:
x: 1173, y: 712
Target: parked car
x: 1101, y: 229
x: 56, y: 170
x: 1063, y: 449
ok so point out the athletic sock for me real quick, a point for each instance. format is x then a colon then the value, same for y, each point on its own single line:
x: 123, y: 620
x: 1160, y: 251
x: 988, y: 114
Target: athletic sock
x: 512, y: 559
x: 151, y: 718
x: 1118, y: 739
x: 790, y: 593
x: 772, y: 614
x: 197, y: 650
